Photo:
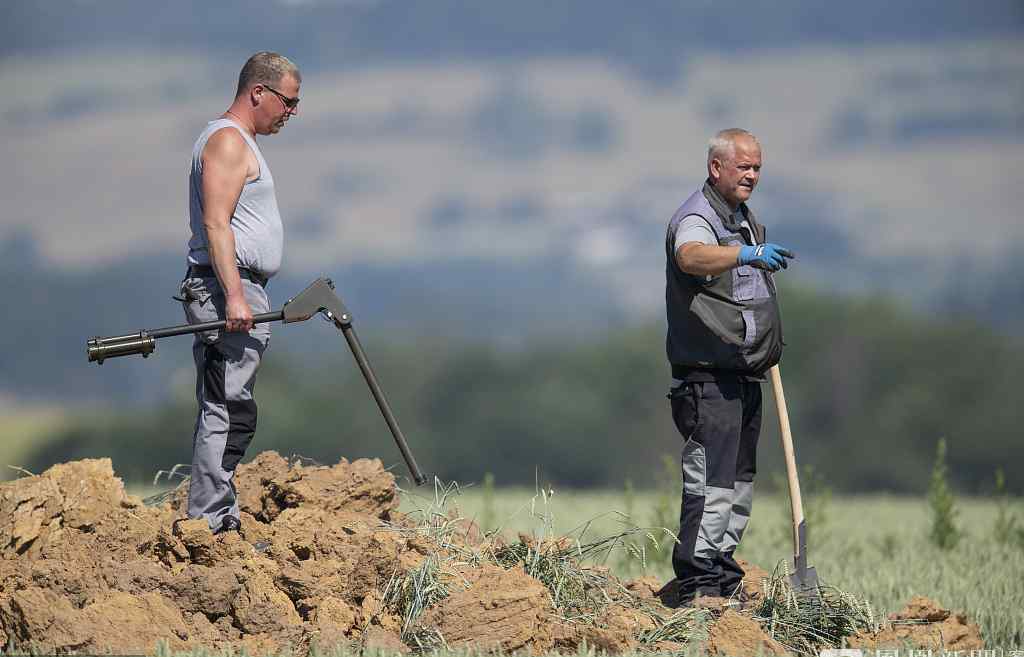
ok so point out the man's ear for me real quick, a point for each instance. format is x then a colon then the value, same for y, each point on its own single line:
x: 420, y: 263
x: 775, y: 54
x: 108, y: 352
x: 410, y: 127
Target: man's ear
x: 715, y: 168
x: 256, y: 94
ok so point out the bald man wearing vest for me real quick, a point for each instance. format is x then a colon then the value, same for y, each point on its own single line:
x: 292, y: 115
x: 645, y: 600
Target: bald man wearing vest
x: 234, y: 250
x: 724, y: 333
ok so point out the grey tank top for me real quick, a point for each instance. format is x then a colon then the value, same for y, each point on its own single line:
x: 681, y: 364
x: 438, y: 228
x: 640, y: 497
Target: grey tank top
x: 256, y: 221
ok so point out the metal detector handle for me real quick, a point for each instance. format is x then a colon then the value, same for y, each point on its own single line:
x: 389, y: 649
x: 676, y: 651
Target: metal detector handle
x: 144, y: 342
x: 378, y: 395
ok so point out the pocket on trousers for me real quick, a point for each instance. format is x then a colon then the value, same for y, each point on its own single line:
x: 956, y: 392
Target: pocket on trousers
x: 194, y: 290
x: 200, y: 306
x: 686, y: 408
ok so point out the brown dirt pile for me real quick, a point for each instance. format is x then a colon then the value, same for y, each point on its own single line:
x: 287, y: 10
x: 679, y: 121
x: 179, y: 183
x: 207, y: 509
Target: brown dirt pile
x: 736, y: 634
x: 922, y: 623
x: 86, y: 568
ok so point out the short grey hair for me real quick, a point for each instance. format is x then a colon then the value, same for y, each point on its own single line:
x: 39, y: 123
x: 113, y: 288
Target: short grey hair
x: 723, y: 145
x: 266, y: 68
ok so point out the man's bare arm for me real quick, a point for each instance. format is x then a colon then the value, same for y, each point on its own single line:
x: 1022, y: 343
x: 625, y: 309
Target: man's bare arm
x: 706, y: 259
x: 225, y: 166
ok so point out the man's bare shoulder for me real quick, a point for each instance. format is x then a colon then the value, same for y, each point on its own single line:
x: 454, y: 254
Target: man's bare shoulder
x: 226, y: 146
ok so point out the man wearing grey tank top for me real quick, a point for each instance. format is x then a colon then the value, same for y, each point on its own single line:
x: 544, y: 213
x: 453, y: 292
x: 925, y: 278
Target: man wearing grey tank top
x: 234, y: 249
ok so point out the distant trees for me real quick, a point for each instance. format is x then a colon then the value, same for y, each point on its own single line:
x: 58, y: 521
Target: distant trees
x: 870, y: 388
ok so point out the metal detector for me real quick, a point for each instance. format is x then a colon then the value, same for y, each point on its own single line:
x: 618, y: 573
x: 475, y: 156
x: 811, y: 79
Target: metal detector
x: 320, y: 298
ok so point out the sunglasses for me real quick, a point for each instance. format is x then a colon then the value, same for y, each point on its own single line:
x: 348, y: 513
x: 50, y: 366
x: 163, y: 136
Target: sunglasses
x: 289, y: 103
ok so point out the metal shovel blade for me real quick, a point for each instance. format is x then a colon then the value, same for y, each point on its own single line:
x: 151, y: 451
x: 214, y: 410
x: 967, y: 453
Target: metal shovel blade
x: 805, y: 583
x: 804, y: 580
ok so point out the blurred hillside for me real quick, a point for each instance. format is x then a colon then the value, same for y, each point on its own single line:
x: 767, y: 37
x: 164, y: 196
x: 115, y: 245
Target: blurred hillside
x: 592, y: 413
x: 501, y: 172
x: 488, y: 184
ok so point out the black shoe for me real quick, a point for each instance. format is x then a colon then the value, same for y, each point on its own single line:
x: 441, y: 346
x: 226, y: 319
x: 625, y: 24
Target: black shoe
x: 669, y: 594
x: 673, y: 595
x: 229, y: 524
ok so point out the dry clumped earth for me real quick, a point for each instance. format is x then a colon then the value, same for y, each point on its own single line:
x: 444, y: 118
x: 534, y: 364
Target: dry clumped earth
x: 86, y: 568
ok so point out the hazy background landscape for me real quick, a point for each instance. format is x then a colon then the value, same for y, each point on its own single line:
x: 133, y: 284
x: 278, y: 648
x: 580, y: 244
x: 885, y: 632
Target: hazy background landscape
x: 488, y: 184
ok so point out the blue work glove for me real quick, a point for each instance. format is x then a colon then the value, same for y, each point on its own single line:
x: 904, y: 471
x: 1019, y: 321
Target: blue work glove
x: 765, y: 256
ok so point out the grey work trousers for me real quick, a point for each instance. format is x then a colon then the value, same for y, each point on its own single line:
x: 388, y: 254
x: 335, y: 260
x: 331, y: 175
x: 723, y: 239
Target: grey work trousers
x: 720, y: 423
x: 226, y: 365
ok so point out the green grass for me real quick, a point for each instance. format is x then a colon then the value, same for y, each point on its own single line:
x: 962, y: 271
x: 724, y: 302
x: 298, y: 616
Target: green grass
x: 875, y: 547
x: 21, y: 432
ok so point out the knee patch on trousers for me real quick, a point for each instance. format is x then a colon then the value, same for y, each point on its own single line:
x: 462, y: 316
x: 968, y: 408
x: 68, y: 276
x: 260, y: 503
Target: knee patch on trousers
x: 241, y: 427
x: 241, y: 412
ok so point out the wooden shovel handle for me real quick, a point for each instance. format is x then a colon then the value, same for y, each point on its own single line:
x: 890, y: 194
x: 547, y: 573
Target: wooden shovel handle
x: 787, y: 450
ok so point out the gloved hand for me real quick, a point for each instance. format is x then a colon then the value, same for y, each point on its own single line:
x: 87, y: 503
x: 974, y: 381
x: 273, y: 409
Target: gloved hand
x: 765, y: 256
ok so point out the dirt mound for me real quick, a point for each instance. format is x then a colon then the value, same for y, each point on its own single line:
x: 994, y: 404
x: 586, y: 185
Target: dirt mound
x: 324, y: 559
x: 753, y: 579
x: 502, y: 610
x: 86, y: 568
x: 922, y: 623
x: 70, y: 496
x: 735, y: 634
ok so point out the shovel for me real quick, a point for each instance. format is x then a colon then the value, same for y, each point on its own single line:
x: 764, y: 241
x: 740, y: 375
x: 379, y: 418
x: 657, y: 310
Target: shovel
x: 804, y: 579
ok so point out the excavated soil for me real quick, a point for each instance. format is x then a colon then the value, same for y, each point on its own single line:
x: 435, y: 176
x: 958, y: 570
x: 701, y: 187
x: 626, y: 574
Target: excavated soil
x: 86, y: 568
x: 924, y: 624
x: 735, y: 634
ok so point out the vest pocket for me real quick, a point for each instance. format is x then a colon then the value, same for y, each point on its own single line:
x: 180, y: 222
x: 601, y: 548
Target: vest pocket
x: 744, y: 283
x: 749, y: 283
x: 749, y: 328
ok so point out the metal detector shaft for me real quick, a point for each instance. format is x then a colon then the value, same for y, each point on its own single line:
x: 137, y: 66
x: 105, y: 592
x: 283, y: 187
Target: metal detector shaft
x: 318, y: 298
x: 382, y: 402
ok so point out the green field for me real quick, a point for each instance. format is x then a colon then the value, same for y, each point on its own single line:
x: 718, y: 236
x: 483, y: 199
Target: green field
x: 21, y: 432
x: 875, y: 547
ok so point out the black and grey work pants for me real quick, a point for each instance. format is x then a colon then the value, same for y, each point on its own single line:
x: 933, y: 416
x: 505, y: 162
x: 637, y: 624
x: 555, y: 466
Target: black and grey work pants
x: 719, y: 422
x: 226, y: 365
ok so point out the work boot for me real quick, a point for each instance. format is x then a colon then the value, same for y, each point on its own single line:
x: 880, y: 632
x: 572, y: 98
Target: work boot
x: 673, y: 596
x: 233, y: 524
x: 229, y: 524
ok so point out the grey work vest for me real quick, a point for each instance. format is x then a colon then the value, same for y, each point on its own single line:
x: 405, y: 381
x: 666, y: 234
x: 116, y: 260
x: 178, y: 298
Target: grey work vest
x: 730, y: 324
x: 256, y: 220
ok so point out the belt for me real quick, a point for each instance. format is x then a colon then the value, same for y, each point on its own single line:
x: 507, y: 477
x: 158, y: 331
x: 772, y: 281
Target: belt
x: 206, y: 271
x: 683, y: 373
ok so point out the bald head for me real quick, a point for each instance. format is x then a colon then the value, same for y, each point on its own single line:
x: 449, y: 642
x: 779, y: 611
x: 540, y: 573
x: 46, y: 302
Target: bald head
x: 734, y: 164
x: 723, y: 145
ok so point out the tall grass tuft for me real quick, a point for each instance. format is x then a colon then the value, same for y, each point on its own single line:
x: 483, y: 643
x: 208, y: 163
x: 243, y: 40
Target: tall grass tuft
x: 665, y: 511
x: 944, y: 533
x: 806, y: 624
x: 1006, y: 530
x: 488, y: 518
